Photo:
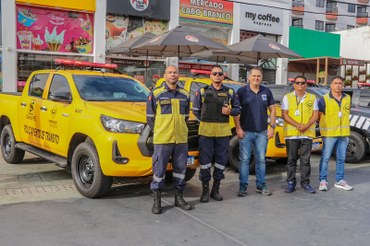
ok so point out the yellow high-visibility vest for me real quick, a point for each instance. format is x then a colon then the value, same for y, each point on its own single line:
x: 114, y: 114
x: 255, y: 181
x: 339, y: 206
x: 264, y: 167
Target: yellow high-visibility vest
x: 335, y: 121
x: 306, y: 109
x: 170, y: 124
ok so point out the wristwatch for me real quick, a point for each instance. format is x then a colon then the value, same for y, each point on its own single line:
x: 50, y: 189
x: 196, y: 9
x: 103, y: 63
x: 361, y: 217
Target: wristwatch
x: 273, y: 126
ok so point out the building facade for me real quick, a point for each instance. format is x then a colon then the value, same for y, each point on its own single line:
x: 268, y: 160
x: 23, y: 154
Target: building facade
x: 35, y: 32
x: 266, y: 17
x: 271, y: 19
x: 328, y: 15
x: 126, y: 20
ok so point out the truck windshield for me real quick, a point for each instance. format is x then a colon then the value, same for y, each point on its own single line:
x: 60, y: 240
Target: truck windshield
x: 109, y: 88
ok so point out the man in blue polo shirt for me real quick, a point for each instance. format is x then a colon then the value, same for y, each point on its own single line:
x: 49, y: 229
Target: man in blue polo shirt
x: 251, y: 129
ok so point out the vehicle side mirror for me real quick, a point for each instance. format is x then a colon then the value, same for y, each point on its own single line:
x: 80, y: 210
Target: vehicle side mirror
x: 62, y: 96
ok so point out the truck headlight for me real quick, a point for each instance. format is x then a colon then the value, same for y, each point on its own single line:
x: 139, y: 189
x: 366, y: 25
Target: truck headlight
x: 122, y: 126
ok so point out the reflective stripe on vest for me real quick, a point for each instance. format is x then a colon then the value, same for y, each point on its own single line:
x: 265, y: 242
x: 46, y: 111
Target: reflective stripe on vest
x: 331, y: 125
x: 306, y: 110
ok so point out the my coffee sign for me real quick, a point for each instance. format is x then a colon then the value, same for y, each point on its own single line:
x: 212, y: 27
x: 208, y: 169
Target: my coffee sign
x: 261, y: 19
x: 215, y: 12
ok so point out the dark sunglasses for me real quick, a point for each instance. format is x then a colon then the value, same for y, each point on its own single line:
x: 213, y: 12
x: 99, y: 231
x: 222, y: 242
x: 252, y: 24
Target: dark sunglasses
x: 300, y: 83
x: 218, y: 73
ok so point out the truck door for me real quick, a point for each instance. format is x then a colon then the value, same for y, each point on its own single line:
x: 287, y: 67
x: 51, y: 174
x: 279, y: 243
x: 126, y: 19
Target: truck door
x: 55, y: 115
x: 29, y: 110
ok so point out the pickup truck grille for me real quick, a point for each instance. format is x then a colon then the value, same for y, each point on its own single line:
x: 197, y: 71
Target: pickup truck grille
x: 145, y: 142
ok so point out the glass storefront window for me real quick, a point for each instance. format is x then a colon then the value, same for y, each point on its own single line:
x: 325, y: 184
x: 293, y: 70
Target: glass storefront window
x: 1, y: 55
x: 1, y: 31
x: 1, y: 70
x: 147, y: 72
x: 27, y: 63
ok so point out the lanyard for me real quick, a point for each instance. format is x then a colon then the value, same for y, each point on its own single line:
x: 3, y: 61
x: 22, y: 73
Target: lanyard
x: 298, y: 101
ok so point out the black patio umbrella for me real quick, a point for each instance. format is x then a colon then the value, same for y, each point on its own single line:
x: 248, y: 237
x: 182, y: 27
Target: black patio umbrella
x: 125, y: 47
x: 179, y: 41
x: 260, y: 47
x: 222, y: 56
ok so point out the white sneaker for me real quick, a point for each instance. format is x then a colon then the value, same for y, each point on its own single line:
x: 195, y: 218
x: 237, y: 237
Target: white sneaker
x: 323, y: 185
x: 343, y: 185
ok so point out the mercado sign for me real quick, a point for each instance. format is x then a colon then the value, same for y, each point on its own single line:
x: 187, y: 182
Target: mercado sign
x: 54, y: 30
x: 214, y: 12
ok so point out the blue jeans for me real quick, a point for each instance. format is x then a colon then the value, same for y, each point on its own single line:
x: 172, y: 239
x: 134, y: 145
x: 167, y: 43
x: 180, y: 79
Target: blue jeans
x: 257, y: 141
x: 329, y: 144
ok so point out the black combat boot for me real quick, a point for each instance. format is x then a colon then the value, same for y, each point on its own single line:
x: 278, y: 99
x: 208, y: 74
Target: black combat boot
x: 180, y: 202
x: 157, y: 209
x: 215, y: 194
x: 205, y: 193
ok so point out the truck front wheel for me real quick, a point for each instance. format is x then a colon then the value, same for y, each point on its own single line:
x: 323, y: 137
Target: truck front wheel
x: 234, y: 156
x: 357, y: 148
x: 10, y: 153
x: 86, y: 172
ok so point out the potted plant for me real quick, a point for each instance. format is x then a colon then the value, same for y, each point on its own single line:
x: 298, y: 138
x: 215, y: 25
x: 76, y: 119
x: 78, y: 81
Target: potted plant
x: 367, y: 76
x: 362, y: 71
x: 349, y: 71
x: 355, y: 77
x: 347, y: 82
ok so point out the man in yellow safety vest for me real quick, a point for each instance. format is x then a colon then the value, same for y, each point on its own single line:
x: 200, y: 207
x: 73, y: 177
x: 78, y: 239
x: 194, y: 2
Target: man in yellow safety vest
x: 334, y: 113
x: 300, y: 111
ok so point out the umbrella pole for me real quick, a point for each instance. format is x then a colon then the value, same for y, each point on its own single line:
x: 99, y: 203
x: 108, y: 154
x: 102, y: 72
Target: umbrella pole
x: 146, y: 69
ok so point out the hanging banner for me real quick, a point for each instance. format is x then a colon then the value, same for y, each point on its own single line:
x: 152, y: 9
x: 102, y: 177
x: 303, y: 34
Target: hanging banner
x: 120, y: 28
x: 216, y: 12
x: 54, y: 30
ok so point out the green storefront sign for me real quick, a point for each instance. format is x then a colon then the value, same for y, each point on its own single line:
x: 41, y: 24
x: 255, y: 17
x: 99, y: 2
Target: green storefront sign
x: 310, y: 43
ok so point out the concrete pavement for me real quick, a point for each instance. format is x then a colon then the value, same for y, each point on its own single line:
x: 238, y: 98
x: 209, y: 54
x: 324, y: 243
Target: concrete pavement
x: 39, y: 205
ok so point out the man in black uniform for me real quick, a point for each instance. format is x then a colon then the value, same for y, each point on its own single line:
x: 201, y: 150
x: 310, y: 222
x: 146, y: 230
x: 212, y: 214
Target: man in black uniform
x: 212, y: 106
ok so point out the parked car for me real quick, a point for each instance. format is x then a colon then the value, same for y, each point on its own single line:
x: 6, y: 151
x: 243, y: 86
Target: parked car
x: 359, y: 140
x: 359, y: 97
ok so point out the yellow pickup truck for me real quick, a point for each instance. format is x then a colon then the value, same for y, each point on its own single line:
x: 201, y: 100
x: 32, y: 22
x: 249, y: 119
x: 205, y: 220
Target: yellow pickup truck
x: 88, y: 121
